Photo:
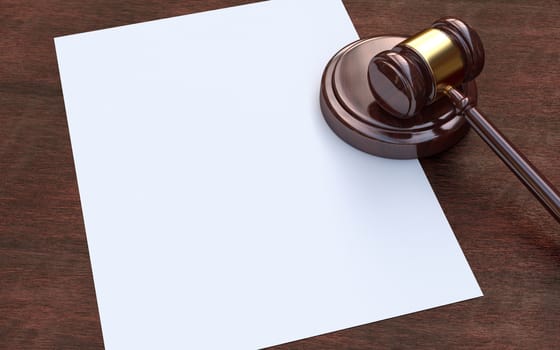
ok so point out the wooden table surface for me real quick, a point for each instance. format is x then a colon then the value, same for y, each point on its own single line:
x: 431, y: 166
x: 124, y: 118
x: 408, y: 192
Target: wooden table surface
x: 47, y: 297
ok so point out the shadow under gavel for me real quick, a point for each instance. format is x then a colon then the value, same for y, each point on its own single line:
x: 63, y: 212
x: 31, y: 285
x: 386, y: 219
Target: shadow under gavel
x: 403, y: 98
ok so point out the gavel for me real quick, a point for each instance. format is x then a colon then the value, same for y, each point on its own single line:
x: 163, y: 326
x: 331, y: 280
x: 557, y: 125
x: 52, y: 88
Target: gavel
x: 403, y: 98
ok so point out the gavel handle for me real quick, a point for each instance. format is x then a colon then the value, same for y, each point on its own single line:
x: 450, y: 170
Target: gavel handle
x: 514, y: 159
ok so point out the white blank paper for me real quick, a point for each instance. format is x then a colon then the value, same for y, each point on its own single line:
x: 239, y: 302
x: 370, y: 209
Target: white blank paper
x: 221, y: 211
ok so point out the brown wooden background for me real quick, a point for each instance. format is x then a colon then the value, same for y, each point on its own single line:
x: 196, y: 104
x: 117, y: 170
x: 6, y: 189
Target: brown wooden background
x: 47, y: 298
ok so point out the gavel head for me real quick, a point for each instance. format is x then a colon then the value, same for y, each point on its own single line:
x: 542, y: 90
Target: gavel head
x: 369, y: 82
x: 412, y: 75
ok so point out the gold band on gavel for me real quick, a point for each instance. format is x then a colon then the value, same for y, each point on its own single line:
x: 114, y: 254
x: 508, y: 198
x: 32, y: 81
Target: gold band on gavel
x: 442, y: 56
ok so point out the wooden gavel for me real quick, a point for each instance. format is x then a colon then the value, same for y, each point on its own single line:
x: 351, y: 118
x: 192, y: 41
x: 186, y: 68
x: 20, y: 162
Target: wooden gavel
x: 409, y: 82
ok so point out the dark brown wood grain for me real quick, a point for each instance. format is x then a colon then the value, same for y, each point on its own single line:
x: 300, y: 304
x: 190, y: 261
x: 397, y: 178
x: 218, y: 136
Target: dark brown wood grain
x: 535, y: 182
x: 47, y: 298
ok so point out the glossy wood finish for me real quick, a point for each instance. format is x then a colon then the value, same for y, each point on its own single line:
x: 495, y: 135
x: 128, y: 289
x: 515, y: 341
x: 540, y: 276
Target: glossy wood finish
x: 468, y: 40
x: 350, y: 108
x: 400, y: 82
x: 404, y: 79
x: 543, y: 190
x: 47, y: 299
